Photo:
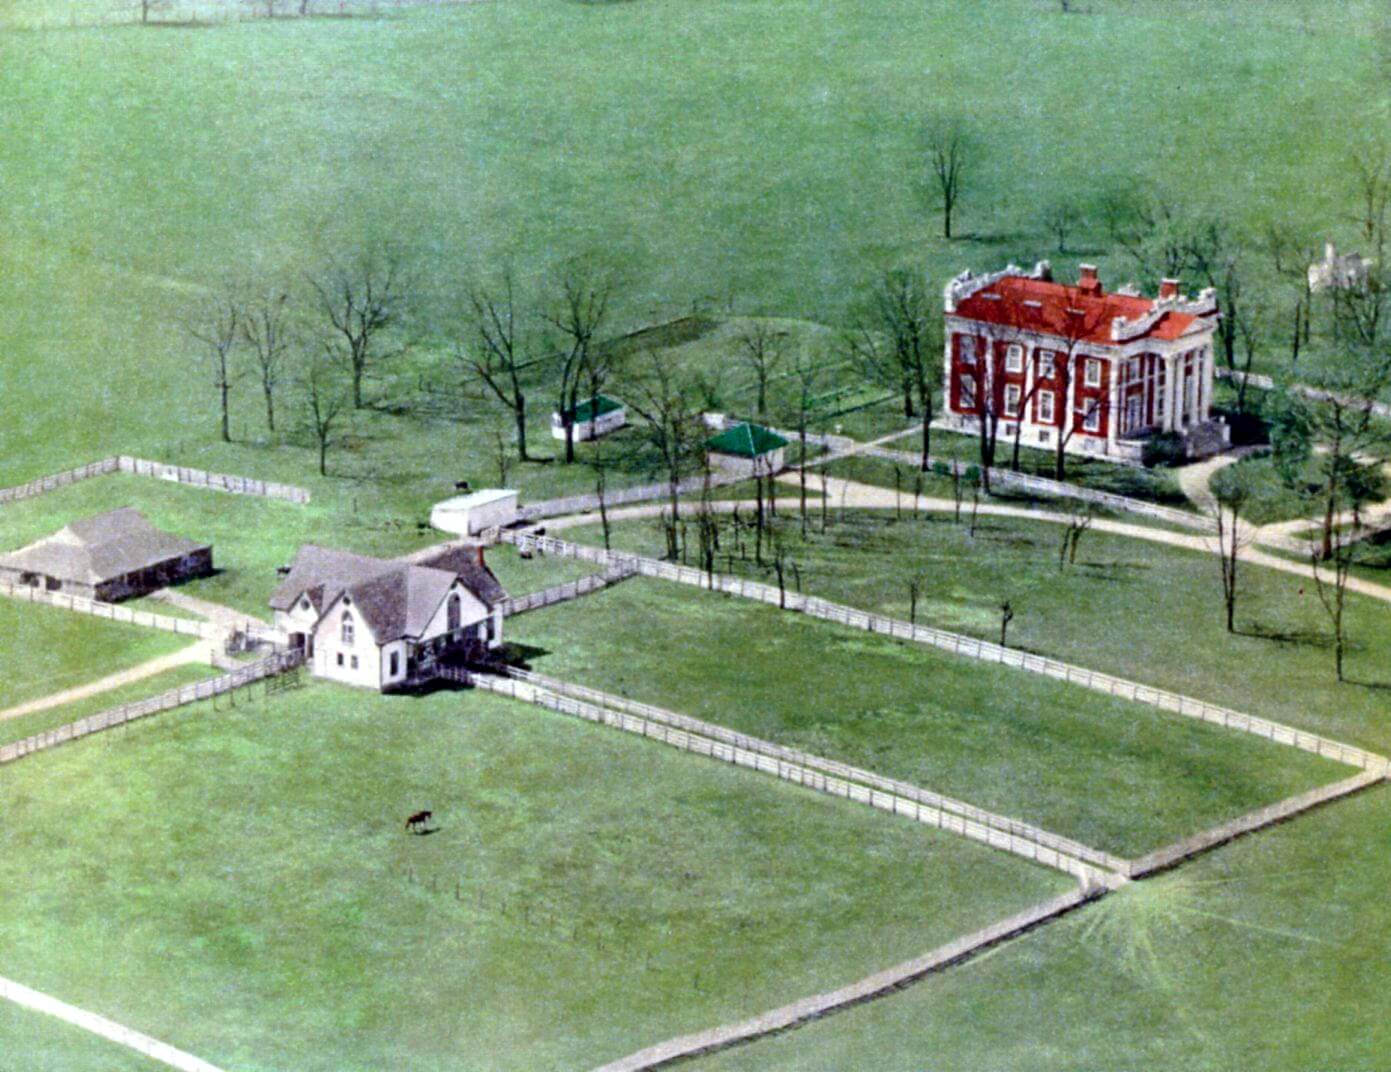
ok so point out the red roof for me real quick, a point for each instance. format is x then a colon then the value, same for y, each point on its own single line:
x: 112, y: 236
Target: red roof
x: 1042, y: 306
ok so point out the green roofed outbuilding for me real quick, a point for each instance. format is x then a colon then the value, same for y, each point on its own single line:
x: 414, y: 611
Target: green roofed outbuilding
x: 590, y: 418
x: 747, y: 448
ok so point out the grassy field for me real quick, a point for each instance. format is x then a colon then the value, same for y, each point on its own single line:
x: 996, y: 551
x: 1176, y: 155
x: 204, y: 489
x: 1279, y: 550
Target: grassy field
x: 48, y: 1045
x: 48, y: 650
x: 1270, y: 954
x: 1133, y: 608
x: 424, y: 127
x: 1119, y: 776
x: 210, y: 881
x: 16, y: 729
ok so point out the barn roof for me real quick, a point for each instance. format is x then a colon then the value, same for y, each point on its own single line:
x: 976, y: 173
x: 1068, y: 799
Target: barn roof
x: 93, y: 550
x: 396, y: 599
x: 746, y: 441
x: 590, y: 408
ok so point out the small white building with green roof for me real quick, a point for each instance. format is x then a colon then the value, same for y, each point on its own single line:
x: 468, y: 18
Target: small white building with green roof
x: 591, y: 418
x: 748, y: 449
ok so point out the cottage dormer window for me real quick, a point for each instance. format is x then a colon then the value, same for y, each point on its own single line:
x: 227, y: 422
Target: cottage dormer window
x: 347, y: 628
x: 453, y: 613
x: 304, y: 604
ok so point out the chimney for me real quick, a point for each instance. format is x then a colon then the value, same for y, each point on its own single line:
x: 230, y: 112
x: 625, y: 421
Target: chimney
x: 480, y: 557
x: 1168, y: 289
x: 1087, y: 282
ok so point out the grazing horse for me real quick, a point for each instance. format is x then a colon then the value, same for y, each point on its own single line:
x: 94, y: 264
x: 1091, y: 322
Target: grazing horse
x: 419, y: 819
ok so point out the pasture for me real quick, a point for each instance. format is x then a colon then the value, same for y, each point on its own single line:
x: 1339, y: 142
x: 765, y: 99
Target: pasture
x: 1119, y: 776
x: 1270, y: 954
x: 211, y: 882
x: 175, y: 158
x: 1140, y: 610
x: 45, y: 649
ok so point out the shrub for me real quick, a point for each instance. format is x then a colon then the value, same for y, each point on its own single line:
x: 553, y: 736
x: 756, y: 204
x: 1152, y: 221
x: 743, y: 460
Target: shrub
x: 1163, y: 449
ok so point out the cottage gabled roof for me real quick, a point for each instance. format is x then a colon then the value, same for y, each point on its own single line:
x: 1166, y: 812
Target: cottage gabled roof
x: 746, y: 441
x: 101, y: 548
x: 395, y: 599
x: 464, y: 562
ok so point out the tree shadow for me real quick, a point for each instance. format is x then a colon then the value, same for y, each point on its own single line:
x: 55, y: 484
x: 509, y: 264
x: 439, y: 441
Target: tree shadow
x: 1380, y: 686
x: 1294, y: 637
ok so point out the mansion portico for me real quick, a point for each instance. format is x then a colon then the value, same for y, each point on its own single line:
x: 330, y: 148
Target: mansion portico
x: 1102, y: 370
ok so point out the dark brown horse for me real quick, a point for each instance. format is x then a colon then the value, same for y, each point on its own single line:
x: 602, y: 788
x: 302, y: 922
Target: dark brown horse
x: 419, y: 819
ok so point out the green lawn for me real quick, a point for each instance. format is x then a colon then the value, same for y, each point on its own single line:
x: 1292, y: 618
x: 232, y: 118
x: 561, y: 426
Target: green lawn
x: 16, y: 729
x: 238, y: 884
x: 45, y: 1044
x: 1119, y: 776
x: 1270, y: 954
x: 1129, y: 607
x: 46, y: 649
x: 167, y: 163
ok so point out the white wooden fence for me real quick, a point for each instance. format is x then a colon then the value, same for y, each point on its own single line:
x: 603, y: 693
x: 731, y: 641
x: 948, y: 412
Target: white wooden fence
x: 1059, y: 489
x: 1258, y: 819
x: 278, y: 663
x: 798, y: 774
x: 583, y: 504
x: 562, y: 593
x: 967, y: 646
x: 844, y: 771
x: 879, y: 984
x: 181, y: 474
x: 152, y: 1048
x: 112, y: 611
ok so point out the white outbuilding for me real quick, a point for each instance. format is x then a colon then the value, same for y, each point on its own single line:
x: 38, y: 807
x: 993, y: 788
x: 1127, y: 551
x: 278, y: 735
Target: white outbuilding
x: 468, y: 515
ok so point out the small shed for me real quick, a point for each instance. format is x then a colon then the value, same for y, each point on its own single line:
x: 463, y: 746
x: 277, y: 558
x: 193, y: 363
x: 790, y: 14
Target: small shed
x: 748, y: 449
x: 112, y: 556
x: 592, y: 418
x: 468, y: 515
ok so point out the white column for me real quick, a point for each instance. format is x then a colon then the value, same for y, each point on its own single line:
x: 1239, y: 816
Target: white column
x: 1205, y: 407
x: 1171, y: 371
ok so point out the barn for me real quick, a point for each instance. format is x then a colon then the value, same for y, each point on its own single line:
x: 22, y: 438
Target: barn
x: 112, y: 556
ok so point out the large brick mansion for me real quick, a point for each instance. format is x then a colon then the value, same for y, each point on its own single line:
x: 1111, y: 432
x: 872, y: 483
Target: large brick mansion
x: 1103, y: 370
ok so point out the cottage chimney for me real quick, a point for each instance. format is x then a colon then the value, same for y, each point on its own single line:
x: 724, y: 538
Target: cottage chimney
x: 1087, y: 282
x: 1168, y: 289
x: 1329, y: 252
x: 480, y: 556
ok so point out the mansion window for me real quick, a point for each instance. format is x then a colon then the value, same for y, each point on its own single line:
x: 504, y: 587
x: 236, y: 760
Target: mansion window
x: 1014, y: 358
x: 968, y: 350
x: 1092, y: 421
x: 1045, y: 407
x: 1012, y: 400
x: 967, y: 388
x: 347, y: 631
x: 1045, y: 366
x: 1092, y: 374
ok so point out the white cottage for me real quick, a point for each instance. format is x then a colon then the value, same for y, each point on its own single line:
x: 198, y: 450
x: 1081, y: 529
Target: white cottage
x: 386, y: 624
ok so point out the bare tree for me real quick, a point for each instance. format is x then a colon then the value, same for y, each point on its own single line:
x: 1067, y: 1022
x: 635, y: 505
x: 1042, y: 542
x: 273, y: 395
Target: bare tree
x: 1149, y: 226
x: 324, y: 399
x: 949, y: 153
x: 600, y: 464
x: 896, y: 339
x: 1371, y: 168
x: 364, y: 298
x: 1217, y: 256
x: 216, y: 324
x: 762, y: 349
x: 578, y: 314
x: 494, y: 351
x: 1291, y: 256
x: 665, y: 401
x: 1079, y: 520
x: 1331, y: 570
x: 1077, y: 322
x: 1006, y: 616
x: 807, y: 373
x: 267, y: 331
x: 1232, y: 492
x: 1060, y: 218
